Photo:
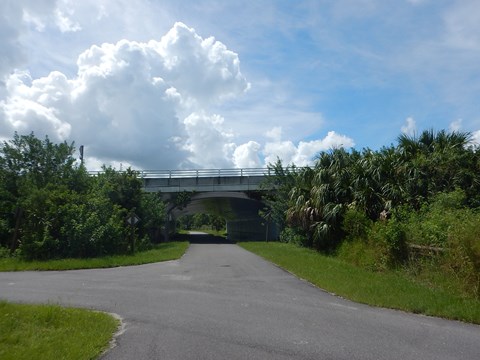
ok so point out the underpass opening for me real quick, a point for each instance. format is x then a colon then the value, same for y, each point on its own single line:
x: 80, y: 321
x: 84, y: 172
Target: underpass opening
x: 240, y: 211
x: 201, y: 222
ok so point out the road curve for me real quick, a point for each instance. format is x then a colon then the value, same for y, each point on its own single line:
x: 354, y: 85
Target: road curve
x: 222, y: 302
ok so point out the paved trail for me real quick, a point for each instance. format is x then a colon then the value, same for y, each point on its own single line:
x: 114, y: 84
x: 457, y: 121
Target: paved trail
x: 222, y: 302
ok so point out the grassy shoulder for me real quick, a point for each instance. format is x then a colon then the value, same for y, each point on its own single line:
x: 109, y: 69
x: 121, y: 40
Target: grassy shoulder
x: 387, y: 289
x: 52, y: 332
x: 161, y: 252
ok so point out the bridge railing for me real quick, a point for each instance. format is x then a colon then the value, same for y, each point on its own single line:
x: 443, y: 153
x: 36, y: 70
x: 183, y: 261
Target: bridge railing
x: 198, y: 173
x: 201, y: 173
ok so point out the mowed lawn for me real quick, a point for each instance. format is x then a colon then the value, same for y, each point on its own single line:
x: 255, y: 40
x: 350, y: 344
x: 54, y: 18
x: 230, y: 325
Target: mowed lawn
x: 161, y: 252
x: 51, y: 332
x: 388, y: 289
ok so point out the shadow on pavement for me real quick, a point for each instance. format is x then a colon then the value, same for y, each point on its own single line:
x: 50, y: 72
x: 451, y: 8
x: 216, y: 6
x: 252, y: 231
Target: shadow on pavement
x: 205, y: 239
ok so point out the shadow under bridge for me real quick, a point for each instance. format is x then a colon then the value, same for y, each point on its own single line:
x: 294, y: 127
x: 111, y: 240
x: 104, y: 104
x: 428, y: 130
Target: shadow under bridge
x: 240, y: 211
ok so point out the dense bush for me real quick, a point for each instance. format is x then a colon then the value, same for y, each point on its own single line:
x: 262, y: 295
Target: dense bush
x: 439, y: 243
x: 450, y: 234
x: 294, y: 236
x: 51, y: 208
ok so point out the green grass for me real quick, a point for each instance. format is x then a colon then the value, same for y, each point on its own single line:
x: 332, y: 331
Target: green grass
x: 388, y: 289
x: 161, y: 252
x: 52, y: 332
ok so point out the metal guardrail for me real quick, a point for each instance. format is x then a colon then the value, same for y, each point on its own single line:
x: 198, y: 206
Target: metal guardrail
x: 197, y: 173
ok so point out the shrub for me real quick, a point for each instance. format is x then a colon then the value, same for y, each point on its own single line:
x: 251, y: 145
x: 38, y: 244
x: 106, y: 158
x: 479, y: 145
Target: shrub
x: 371, y: 255
x: 431, y: 225
x: 462, y: 260
x: 4, y: 252
x: 356, y: 225
x: 293, y: 236
x: 388, y: 240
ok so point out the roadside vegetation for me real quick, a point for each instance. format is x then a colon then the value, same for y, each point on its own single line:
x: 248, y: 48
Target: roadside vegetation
x: 52, y: 208
x: 410, y: 211
x: 160, y: 252
x: 52, y: 332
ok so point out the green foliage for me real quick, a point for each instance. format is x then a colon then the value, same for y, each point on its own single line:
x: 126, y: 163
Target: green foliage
x: 447, y: 225
x: 277, y: 185
x: 412, y: 206
x: 356, y: 224
x: 438, y: 245
x: 51, y: 208
x: 294, y: 236
x: 391, y: 236
x: 201, y: 221
x: 152, y: 212
x: 462, y: 261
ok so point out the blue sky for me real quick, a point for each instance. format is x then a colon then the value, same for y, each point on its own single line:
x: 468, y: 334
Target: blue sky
x: 277, y: 78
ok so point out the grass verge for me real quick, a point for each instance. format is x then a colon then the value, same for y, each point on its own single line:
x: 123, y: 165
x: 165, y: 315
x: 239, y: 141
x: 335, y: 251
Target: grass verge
x: 52, y: 332
x: 161, y: 252
x: 389, y: 289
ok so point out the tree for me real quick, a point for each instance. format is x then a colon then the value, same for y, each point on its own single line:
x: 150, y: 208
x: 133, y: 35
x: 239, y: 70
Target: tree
x: 277, y: 185
x: 28, y: 165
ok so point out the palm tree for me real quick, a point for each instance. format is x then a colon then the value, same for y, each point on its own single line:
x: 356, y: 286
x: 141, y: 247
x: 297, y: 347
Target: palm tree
x: 432, y: 162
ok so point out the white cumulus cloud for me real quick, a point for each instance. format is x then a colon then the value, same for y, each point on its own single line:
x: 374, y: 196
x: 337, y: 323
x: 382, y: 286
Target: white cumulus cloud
x: 209, y: 144
x: 247, y: 155
x: 304, y: 153
x: 142, y: 103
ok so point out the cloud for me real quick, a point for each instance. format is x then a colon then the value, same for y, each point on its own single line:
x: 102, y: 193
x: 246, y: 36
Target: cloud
x: 36, y: 107
x: 247, y: 155
x: 456, y: 125
x: 304, y: 153
x: 475, y: 138
x: 18, y: 18
x: 410, y: 127
x: 141, y: 103
x: 275, y: 133
x: 208, y: 143
x: 463, y: 25
x: 11, y: 51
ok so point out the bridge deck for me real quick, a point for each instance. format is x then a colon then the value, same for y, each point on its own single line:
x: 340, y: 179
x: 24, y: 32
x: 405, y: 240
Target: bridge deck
x: 225, y: 183
x: 205, y: 180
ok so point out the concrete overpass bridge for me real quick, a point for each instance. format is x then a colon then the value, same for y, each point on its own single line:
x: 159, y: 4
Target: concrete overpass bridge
x: 234, y: 194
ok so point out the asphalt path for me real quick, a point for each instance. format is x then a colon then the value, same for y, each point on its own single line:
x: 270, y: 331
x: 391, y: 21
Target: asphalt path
x: 221, y: 302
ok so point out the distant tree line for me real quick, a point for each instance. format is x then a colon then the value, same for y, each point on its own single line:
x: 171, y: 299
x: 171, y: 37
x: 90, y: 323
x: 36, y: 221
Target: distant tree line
x: 50, y: 207
x: 390, y: 207
x: 201, y: 221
